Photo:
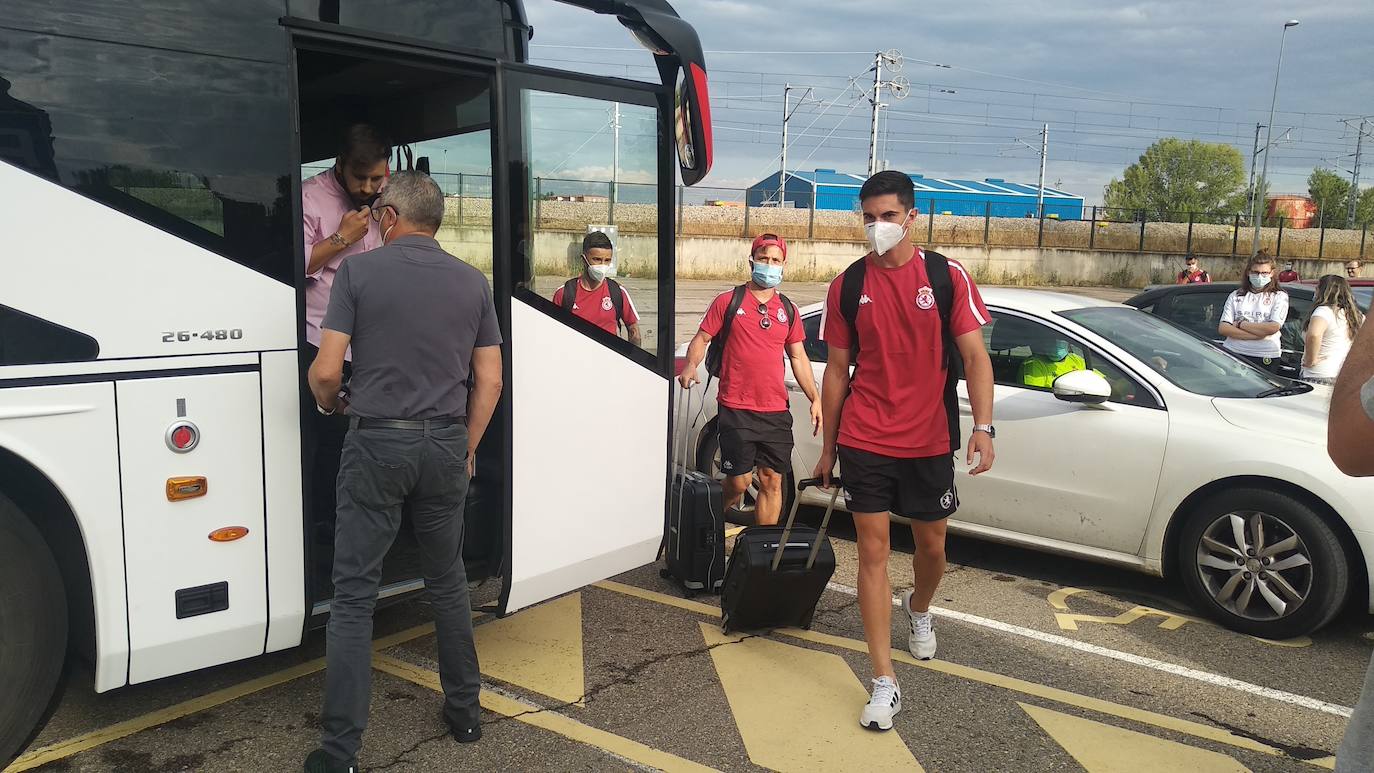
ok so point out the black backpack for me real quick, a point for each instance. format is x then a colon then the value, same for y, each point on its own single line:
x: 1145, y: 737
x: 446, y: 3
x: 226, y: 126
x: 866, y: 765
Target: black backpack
x: 715, y: 351
x: 570, y: 288
x: 942, y: 285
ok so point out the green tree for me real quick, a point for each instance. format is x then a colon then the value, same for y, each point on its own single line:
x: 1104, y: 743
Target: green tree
x: 1331, y: 193
x: 1364, y: 210
x: 1175, y: 177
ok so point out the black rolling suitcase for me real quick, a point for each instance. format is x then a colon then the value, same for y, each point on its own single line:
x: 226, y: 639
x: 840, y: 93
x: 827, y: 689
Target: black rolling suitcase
x: 694, y: 535
x: 776, y: 574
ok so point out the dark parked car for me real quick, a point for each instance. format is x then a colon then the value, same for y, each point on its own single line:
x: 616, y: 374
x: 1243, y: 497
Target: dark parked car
x: 1198, y: 307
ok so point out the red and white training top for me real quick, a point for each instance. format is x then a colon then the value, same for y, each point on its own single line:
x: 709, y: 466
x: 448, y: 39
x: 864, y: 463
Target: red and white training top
x: 896, y: 400
x: 751, y: 367
x: 596, y: 306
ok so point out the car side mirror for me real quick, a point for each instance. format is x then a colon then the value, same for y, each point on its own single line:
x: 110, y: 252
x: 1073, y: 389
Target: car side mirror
x: 1082, y: 386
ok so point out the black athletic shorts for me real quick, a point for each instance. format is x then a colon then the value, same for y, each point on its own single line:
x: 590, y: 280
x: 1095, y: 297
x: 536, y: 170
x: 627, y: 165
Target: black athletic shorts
x: 920, y: 489
x: 1267, y: 364
x: 750, y: 439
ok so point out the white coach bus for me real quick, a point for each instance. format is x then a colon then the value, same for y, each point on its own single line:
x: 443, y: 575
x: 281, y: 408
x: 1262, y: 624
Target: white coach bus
x: 153, y: 517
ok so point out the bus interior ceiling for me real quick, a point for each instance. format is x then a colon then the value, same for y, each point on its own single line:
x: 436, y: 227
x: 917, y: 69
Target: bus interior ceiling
x: 408, y: 104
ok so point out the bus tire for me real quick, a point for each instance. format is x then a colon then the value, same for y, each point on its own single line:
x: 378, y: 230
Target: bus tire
x: 33, y: 643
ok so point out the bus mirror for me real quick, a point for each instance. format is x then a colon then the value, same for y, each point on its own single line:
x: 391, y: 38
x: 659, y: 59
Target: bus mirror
x: 692, y: 123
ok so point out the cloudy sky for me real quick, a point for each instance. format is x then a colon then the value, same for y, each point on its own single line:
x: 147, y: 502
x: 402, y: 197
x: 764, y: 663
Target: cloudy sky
x: 1109, y: 78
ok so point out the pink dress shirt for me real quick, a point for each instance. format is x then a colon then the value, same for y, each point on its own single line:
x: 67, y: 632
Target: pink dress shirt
x: 324, y: 202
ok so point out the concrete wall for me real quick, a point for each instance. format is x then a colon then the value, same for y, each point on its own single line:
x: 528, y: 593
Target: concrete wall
x: 708, y: 257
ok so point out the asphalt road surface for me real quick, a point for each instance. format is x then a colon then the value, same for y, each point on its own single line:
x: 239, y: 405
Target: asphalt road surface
x: 1044, y: 664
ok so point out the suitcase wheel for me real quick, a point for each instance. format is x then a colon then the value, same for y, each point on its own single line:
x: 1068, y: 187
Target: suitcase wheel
x: 725, y: 624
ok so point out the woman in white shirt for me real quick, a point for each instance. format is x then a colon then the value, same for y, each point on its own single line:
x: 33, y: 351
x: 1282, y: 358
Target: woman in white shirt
x: 1330, y: 328
x: 1253, y: 316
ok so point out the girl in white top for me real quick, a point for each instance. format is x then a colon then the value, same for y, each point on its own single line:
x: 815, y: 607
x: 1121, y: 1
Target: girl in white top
x: 1253, y: 316
x: 1330, y: 328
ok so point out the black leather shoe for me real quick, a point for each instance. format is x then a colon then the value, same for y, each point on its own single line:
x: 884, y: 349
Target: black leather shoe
x: 464, y: 732
x: 320, y: 762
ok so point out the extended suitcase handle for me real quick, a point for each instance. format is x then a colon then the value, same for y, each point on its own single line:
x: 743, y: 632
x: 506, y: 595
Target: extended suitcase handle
x: 835, y: 485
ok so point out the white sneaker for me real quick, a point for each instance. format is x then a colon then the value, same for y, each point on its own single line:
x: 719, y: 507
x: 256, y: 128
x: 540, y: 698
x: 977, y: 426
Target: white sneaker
x: 921, y: 642
x: 883, y: 705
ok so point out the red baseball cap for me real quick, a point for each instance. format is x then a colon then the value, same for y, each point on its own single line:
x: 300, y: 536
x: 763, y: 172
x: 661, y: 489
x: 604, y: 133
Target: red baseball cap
x: 765, y: 240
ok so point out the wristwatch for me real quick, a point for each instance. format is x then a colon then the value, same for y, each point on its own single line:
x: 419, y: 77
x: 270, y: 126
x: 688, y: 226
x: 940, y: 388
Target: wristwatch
x: 988, y: 428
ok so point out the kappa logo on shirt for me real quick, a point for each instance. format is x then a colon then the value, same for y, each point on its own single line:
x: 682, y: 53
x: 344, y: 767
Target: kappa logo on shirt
x: 739, y: 313
x: 864, y: 299
x: 576, y: 307
x: 925, y: 298
x: 727, y: 465
x: 606, y: 303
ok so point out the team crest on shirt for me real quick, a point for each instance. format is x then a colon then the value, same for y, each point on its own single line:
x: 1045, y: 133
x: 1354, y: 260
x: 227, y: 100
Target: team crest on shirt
x: 606, y: 303
x: 947, y: 500
x: 782, y: 316
x: 925, y: 298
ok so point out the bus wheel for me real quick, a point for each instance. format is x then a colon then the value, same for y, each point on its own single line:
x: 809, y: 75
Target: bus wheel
x: 33, y: 642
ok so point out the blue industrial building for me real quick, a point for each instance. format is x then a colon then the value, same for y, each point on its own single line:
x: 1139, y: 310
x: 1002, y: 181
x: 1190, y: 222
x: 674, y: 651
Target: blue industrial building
x: 840, y: 190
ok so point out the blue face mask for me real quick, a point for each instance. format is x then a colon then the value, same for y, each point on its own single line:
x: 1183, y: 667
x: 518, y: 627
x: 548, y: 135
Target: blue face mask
x: 1061, y: 350
x: 766, y: 275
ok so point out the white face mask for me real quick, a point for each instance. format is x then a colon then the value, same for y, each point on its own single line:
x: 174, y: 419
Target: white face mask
x: 598, y: 273
x: 1259, y: 281
x: 883, y: 236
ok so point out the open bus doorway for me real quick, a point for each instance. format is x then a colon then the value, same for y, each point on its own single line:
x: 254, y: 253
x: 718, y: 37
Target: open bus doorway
x: 437, y: 120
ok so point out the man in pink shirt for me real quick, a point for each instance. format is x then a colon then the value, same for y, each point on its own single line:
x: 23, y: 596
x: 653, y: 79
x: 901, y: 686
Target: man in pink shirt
x: 337, y: 223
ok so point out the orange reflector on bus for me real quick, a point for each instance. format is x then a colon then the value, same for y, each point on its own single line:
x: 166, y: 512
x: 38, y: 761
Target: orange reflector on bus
x: 186, y: 488
x: 228, y: 533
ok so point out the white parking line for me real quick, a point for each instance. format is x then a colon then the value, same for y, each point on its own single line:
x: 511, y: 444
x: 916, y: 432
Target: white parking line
x: 1158, y: 665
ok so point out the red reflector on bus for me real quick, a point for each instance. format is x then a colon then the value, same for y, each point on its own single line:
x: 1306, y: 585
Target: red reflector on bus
x: 182, y: 436
x: 228, y: 533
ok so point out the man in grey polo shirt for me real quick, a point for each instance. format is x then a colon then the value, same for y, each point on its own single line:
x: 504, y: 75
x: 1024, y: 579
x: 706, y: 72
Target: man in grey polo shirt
x: 420, y: 323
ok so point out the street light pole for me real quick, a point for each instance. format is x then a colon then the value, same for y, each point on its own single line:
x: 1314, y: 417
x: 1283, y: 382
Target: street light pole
x: 1268, y: 135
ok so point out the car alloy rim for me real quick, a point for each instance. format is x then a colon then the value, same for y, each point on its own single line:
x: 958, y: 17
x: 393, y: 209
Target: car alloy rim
x: 751, y: 494
x: 1254, y: 565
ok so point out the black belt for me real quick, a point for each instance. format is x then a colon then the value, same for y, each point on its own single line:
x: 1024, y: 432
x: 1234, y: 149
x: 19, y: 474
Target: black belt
x: 412, y: 424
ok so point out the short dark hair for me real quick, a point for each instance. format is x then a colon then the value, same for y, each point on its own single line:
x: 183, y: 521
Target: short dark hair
x: 363, y: 143
x: 596, y: 240
x: 890, y: 181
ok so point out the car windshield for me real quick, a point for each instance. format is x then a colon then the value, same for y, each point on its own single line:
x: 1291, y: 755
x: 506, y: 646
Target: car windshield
x: 1179, y: 356
x: 1363, y: 295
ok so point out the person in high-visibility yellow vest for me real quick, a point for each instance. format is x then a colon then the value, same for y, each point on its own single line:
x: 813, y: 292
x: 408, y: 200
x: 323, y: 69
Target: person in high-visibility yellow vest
x: 1051, y: 359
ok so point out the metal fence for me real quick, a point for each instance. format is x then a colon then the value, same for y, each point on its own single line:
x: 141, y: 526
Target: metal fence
x: 563, y: 204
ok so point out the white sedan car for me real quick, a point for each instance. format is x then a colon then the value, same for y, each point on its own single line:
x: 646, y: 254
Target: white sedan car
x: 1166, y: 456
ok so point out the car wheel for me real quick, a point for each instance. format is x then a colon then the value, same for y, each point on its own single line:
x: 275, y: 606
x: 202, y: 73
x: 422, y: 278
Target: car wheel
x: 33, y: 644
x: 1263, y: 563
x: 708, y: 461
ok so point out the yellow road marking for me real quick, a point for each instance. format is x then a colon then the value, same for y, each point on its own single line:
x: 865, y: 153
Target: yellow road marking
x: 119, y: 730
x: 547, y: 720
x: 1103, y: 748
x: 818, y: 711
x: 731, y: 532
x: 1172, y: 621
x: 1195, y: 729
x: 104, y: 735
x: 539, y: 649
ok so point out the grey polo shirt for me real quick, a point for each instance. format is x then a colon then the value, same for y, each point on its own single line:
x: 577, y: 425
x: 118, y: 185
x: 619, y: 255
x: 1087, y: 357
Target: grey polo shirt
x: 415, y: 313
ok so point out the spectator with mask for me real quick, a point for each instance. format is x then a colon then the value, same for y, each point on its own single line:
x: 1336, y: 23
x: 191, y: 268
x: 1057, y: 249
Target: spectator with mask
x: 1192, y: 273
x: 1253, y: 316
x: 1331, y: 327
x: 1289, y: 274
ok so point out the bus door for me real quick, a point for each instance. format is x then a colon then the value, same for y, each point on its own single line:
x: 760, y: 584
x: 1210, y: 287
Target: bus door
x: 587, y: 383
